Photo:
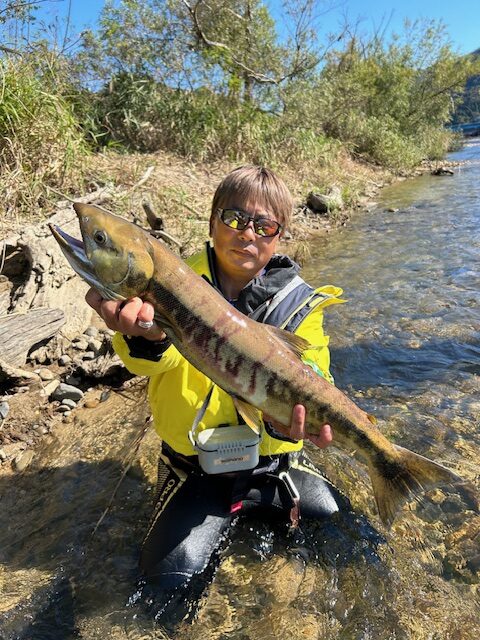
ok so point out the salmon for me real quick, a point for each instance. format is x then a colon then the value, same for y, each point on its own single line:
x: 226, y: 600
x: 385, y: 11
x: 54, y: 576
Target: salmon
x: 260, y: 366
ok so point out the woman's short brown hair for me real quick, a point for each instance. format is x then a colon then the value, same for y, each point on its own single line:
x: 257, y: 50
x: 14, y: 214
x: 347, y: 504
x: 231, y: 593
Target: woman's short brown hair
x: 255, y: 184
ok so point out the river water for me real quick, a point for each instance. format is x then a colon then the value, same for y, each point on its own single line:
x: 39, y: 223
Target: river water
x: 406, y: 347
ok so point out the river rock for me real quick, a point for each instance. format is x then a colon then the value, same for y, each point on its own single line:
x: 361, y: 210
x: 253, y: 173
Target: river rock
x: 81, y: 344
x: 92, y: 403
x: 64, y: 360
x: 95, y: 345
x: 63, y: 408
x: 21, y: 462
x: 40, y: 355
x: 4, y: 409
x: 89, y: 355
x: 49, y: 388
x: 325, y: 202
x: 91, y: 332
x: 64, y: 391
x: 71, y: 404
x: 46, y: 374
x: 442, y: 171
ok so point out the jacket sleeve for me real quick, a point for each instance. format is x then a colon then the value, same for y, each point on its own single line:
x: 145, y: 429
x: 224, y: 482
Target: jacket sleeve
x: 154, y: 360
x: 311, y: 328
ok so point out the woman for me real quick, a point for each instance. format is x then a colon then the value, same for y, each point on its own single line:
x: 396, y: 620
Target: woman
x: 251, y: 209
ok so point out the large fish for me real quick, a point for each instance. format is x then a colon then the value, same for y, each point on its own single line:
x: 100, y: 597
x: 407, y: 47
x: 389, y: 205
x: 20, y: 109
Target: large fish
x: 259, y: 365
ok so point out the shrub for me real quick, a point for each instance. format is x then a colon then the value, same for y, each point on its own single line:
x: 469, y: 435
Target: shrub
x: 137, y: 114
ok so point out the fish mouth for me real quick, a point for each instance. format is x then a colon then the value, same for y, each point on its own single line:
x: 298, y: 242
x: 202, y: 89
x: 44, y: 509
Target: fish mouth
x: 74, y: 251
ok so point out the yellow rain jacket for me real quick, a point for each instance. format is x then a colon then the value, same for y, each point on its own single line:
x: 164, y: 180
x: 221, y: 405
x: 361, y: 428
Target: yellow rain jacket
x: 177, y: 389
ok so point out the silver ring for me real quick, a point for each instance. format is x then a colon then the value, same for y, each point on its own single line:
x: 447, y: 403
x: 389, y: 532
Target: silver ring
x: 145, y: 324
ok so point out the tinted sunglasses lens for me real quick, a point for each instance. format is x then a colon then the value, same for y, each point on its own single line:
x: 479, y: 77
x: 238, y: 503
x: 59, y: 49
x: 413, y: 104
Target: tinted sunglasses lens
x: 265, y: 227
x: 234, y: 219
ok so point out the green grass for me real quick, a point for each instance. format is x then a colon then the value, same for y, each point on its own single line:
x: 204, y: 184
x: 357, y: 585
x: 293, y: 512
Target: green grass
x: 41, y: 144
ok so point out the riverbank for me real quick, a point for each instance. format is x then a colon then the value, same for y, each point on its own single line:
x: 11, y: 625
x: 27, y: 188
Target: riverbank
x: 34, y: 402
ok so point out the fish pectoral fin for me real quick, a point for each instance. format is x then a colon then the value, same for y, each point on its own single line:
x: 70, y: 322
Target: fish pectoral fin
x: 294, y: 343
x: 248, y: 412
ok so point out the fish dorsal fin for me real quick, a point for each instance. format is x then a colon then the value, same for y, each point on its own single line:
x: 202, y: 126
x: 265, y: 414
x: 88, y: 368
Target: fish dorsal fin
x: 294, y: 343
x: 251, y: 415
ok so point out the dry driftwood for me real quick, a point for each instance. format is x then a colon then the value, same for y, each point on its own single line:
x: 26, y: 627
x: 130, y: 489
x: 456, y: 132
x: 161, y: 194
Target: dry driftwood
x: 19, y: 332
x: 36, y: 275
x: 8, y: 372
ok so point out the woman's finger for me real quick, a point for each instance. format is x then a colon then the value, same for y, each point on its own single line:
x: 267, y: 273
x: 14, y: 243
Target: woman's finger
x: 94, y: 299
x: 323, y: 438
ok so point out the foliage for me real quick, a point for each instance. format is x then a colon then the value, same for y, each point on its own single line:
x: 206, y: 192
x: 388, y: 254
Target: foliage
x: 41, y: 145
x: 467, y: 100
x: 137, y: 113
x: 389, y: 102
x: 214, y: 80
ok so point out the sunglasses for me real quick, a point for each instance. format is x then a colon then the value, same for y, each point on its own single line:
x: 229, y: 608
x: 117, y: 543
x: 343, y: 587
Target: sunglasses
x: 239, y: 220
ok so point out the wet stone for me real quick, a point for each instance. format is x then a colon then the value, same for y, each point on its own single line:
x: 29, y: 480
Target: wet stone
x: 474, y: 564
x: 73, y: 380
x: 64, y: 391
x: 23, y: 459
x: 452, y: 504
x: 4, y: 409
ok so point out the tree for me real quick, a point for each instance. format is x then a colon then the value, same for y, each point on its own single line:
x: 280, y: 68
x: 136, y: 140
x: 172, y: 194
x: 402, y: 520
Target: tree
x: 230, y: 46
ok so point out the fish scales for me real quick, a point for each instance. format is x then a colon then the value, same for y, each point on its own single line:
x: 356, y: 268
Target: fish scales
x: 255, y: 363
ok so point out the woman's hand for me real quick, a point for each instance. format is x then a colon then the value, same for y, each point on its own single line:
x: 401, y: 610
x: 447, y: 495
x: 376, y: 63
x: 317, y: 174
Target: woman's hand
x: 125, y: 316
x: 297, y: 428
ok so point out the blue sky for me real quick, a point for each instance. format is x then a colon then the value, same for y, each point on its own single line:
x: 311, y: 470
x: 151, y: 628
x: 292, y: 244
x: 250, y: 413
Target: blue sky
x: 462, y: 18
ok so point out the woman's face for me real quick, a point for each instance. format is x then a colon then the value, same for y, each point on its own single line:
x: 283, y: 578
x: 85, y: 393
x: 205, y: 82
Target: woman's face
x: 243, y: 253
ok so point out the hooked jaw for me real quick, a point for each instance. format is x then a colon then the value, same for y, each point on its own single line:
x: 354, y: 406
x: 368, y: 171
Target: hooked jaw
x: 74, y: 251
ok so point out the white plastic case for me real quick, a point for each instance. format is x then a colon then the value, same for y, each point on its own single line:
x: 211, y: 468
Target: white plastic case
x: 227, y: 449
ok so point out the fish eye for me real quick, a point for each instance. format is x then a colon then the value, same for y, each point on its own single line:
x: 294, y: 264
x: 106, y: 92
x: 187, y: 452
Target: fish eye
x: 100, y: 237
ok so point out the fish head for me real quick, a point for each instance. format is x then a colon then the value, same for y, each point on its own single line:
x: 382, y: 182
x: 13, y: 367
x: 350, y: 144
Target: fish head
x: 115, y: 256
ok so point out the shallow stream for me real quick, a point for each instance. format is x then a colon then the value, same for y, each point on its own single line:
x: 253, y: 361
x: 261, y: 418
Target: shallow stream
x: 406, y: 347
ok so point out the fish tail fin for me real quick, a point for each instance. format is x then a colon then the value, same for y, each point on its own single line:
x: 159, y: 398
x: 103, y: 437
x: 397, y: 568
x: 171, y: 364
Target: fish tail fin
x: 404, y: 477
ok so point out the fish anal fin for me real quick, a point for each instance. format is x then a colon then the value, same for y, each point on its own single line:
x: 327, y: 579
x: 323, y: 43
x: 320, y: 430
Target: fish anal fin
x: 294, y: 343
x: 406, y: 476
x: 248, y: 412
